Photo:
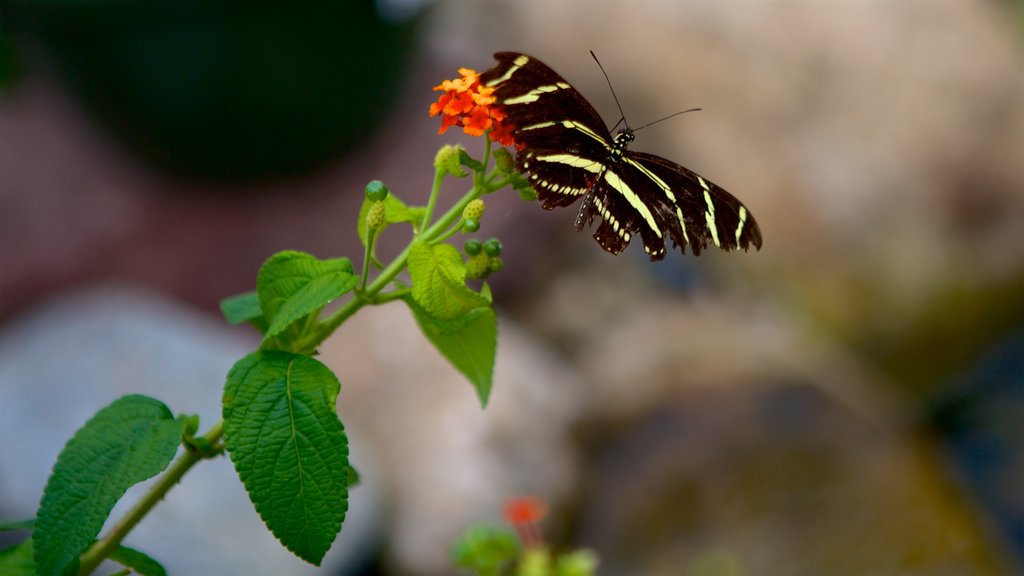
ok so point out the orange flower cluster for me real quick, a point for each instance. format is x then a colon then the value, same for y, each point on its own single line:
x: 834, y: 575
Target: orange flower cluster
x: 470, y: 104
x: 524, y: 510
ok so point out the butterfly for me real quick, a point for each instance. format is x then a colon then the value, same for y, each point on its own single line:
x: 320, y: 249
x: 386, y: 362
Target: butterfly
x: 569, y: 154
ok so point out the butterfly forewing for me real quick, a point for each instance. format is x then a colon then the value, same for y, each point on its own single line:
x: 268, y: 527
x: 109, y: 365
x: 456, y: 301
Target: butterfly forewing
x: 561, y: 138
x: 568, y: 153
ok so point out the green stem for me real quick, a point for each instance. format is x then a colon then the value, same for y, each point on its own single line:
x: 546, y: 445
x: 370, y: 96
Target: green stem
x: 435, y: 191
x: 386, y: 297
x: 102, y: 549
x: 478, y: 176
x: 371, y: 235
x: 448, y: 233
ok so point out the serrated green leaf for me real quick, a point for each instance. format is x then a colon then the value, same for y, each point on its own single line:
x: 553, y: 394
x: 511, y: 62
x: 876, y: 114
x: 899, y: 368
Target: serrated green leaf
x: 288, y: 447
x: 439, y: 281
x: 244, y: 308
x: 132, y: 439
x: 17, y: 560
x: 139, y: 563
x: 294, y: 284
x: 469, y: 343
x: 395, y: 211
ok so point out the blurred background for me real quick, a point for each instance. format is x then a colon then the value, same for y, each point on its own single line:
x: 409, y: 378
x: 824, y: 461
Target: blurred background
x: 847, y: 401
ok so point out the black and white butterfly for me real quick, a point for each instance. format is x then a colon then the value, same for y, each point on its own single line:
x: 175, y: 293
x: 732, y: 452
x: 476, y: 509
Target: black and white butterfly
x: 568, y: 153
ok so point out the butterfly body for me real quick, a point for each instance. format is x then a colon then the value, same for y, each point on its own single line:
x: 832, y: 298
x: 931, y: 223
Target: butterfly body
x: 568, y: 154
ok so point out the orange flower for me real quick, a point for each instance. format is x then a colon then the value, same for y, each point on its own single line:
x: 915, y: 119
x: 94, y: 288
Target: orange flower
x: 467, y: 103
x: 523, y: 513
x: 524, y: 510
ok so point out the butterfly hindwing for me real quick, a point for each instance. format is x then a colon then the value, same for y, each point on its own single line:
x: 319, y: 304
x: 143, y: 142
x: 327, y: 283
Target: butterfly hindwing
x: 709, y: 214
x: 568, y: 153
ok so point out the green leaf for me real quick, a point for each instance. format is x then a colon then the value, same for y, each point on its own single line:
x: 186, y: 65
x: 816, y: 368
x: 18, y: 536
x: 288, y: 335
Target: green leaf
x: 394, y: 211
x: 485, y: 549
x: 577, y: 563
x: 132, y: 439
x: 17, y: 560
x: 293, y: 284
x: 439, y: 281
x: 244, y: 308
x: 288, y: 447
x: 137, y: 561
x: 469, y: 342
x: 353, y: 477
x: 468, y: 161
x: 26, y: 524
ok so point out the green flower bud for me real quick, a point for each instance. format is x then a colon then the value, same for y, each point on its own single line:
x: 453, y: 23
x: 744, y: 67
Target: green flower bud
x: 191, y: 425
x: 447, y: 159
x: 375, y: 217
x: 503, y: 160
x: 496, y: 265
x: 474, y: 210
x: 473, y: 247
x: 492, y: 246
x: 578, y: 563
x: 470, y: 225
x: 376, y: 191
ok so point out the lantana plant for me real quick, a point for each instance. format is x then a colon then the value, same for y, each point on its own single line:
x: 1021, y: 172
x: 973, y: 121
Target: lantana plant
x: 280, y: 426
x: 493, y: 550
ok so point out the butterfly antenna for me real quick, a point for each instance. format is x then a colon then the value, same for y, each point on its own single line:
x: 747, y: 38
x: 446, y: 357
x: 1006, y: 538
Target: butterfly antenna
x: 666, y: 118
x: 609, y: 81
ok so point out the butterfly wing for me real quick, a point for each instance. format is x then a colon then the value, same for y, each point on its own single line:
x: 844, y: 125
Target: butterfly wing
x: 691, y: 209
x: 568, y: 153
x: 562, y: 140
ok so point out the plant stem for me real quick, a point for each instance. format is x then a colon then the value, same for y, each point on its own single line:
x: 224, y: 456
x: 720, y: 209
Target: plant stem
x: 103, y: 548
x: 371, y: 235
x: 435, y: 191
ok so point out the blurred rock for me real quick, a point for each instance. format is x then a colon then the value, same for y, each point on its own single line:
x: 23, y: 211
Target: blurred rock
x: 777, y: 479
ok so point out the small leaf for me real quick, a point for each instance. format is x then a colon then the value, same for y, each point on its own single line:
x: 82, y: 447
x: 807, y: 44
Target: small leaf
x: 469, y: 342
x: 26, y: 524
x: 139, y: 563
x: 468, y: 161
x: 439, y: 281
x: 353, y: 477
x: 17, y: 560
x: 293, y: 284
x: 288, y: 447
x: 394, y: 211
x: 241, y: 308
x: 132, y: 439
